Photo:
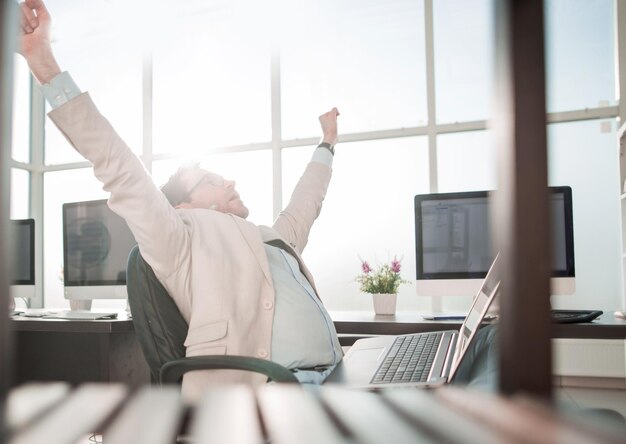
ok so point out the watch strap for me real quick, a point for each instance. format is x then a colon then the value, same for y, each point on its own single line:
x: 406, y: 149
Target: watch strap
x: 328, y: 146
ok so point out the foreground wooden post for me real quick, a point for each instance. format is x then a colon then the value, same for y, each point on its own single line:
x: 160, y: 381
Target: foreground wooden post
x: 521, y: 217
x: 8, y: 30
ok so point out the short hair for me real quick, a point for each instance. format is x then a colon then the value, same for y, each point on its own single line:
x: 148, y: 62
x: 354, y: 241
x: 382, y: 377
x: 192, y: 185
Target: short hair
x: 174, y: 189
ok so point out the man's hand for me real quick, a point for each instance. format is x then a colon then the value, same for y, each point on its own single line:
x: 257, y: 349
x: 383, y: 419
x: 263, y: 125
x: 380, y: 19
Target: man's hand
x: 328, y: 122
x: 35, y: 40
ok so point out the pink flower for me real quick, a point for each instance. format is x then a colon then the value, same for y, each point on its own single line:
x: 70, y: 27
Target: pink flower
x: 365, y: 267
x: 395, y: 265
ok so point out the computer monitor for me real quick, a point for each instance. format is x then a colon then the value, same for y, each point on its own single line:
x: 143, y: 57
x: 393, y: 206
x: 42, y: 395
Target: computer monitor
x: 96, y: 245
x: 22, y: 258
x: 453, y: 242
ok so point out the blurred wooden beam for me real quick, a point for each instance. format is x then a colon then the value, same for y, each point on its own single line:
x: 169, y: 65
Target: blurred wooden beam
x: 521, y: 210
x: 8, y: 29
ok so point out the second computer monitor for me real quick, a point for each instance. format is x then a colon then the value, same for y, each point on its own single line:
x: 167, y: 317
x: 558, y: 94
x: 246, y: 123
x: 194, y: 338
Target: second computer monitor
x: 96, y: 244
x: 22, y: 258
x: 453, y: 242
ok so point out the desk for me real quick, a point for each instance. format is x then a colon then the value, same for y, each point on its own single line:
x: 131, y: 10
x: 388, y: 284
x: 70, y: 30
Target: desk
x: 78, y: 351
x: 351, y: 324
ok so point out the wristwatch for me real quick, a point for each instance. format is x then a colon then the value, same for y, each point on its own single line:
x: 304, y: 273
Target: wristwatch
x: 328, y: 146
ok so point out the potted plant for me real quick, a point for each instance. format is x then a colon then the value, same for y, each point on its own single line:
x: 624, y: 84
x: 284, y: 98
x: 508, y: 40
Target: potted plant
x: 382, y: 283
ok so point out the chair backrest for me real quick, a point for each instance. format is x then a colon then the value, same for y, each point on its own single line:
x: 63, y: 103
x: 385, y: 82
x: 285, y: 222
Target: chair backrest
x: 160, y: 328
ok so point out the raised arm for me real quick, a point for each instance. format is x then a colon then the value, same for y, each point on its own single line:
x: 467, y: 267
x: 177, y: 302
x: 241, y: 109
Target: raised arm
x: 158, y: 229
x: 328, y: 122
x: 35, y: 40
x: 295, y: 221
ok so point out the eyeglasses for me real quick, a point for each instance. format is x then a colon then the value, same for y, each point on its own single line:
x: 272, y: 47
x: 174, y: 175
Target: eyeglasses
x: 207, y: 179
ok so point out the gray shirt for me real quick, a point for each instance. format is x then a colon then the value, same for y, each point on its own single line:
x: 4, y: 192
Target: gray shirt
x: 303, y: 334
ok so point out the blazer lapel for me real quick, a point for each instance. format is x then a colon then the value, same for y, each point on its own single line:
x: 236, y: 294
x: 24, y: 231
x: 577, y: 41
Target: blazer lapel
x: 271, y: 237
x: 253, y: 238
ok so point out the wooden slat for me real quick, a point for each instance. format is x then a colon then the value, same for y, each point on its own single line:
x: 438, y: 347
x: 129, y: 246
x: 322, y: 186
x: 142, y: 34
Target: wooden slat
x: 227, y: 415
x: 153, y: 416
x: 528, y: 425
x: 588, y: 429
x: 370, y: 420
x: 427, y: 412
x: 292, y: 414
x: 27, y: 402
x: 83, y: 412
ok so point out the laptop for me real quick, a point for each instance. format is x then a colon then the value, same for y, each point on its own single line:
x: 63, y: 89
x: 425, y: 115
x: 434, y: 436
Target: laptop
x: 423, y: 359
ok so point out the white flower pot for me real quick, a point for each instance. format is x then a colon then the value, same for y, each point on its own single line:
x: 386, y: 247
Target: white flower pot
x: 385, y: 303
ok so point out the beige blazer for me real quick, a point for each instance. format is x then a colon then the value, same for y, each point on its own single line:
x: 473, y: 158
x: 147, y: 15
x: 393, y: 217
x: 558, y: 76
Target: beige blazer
x: 212, y: 264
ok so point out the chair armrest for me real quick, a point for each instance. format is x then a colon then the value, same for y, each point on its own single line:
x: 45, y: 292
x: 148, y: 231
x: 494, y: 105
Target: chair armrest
x: 173, y: 371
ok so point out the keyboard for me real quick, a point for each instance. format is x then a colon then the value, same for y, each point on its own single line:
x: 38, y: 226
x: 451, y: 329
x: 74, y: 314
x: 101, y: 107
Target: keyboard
x: 574, y: 316
x: 79, y: 315
x: 409, y: 359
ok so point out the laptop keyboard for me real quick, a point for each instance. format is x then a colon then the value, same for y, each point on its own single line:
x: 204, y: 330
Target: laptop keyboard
x: 409, y: 359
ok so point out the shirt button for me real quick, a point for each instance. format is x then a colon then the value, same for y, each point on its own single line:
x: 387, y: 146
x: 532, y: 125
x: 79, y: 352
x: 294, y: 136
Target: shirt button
x: 262, y: 353
x: 67, y: 90
x: 268, y: 305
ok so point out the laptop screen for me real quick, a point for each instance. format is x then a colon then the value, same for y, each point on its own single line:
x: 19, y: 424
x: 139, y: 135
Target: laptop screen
x: 478, y: 310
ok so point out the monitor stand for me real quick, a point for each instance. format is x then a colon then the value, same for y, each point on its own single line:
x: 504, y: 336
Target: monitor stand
x: 80, y: 304
x: 436, y: 304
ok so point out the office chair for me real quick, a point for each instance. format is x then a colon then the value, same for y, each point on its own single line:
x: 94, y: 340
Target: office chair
x: 161, y: 331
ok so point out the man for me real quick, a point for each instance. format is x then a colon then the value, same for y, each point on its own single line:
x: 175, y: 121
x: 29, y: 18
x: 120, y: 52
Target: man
x: 242, y: 288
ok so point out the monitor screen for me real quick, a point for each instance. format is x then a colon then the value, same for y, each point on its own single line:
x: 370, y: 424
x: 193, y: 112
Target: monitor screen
x: 22, y: 254
x: 453, y: 243
x: 96, y: 245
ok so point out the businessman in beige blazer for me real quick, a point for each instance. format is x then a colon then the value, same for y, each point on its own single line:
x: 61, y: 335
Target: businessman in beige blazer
x: 242, y: 288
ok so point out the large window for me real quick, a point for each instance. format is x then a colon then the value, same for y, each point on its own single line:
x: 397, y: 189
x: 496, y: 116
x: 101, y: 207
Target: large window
x: 463, y: 37
x: 20, y: 194
x: 364, y: 56
x: 583, y: 156
x: 238, y: 86
x: 466, y: 161
x: 20, y: 178
x: 580, y: 54
x: 21, y: 112
x: 211, y: 79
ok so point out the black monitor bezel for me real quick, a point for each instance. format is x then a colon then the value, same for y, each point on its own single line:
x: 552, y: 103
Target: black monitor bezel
x: 570, y: 270
x: 74, y: 283
x: 31, y: 231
